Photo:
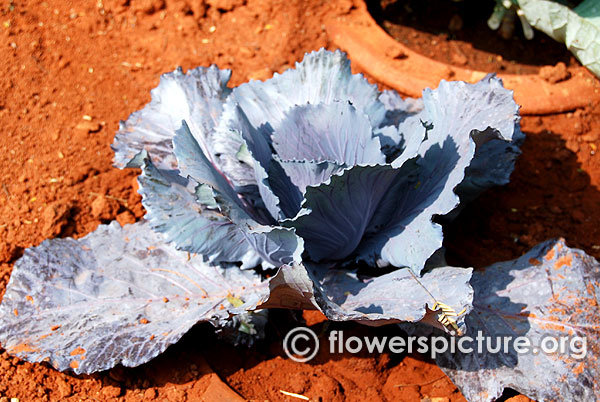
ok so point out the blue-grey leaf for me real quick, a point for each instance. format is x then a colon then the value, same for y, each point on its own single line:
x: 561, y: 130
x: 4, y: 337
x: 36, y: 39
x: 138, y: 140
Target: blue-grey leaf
x: 193, y: 162
x: 118, y: 295
x: 187, y: 214
x: 394, y: 297
x: 335, y: 132
x: 258, y: 142
x: 460, y: 109
x: 496, y: 130
x: 552, y: 292
x: 304, y: 173
x: 402, y: 131
x: 276, y: 245
x: 227, y: 144
x: 196, y: 96
x: 457, y: 119
x: 322, y: 77
x: 401, y: 231
x: 338, y: 212
x: 411, y: 132
x: 271, y: 201
x: 289, y: 195
x: 491, y: 166
x: 492, y: 121
x: 257, y: 139
x: 292, y: 287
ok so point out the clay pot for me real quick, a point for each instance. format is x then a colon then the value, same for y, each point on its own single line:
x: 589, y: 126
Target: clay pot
x: 393, y: 64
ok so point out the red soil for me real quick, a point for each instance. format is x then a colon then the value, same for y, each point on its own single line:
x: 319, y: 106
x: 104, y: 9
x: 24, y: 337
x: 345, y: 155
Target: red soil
x: 64, y: 62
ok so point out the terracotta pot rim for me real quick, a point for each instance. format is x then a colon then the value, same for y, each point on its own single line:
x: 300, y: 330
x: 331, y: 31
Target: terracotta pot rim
x: 399, y: 67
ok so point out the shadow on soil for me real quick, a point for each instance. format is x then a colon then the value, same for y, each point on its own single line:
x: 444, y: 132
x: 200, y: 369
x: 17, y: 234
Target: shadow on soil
x: 549, y: 196
x: 434, y: 17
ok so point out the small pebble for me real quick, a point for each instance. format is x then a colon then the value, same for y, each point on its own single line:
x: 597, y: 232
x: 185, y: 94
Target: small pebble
x: 150, y: 393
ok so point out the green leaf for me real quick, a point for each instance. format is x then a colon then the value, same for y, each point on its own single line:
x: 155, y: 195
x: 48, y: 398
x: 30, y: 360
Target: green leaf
x: 579, y: 28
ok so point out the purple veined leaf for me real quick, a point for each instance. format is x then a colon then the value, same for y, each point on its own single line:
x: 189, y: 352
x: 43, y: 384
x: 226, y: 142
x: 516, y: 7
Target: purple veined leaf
x: 404, y: 218
x: 493, y: 123
x: 403, y: 130
x: 257, y: 139
x: 381, y: 211
x: 396, y: 296
x: 289, y: 195
x: 336, y: 214
x: 232, y: 152
x: 492, y: 113
x: 398, y: 109
x: 281, y: 196
x: 276, y: 245
x: 322, y: 77
x: 335, y: 132
x: 303, y: 173
x: 196, y: 96
x: 552, y: 292
x: 318, y: 140
x: 484, y: 110
x: 391, y: 298
x: 292, y: 287
x: 322, y: 138
x: 192, y: 162
x: 401, y: 232
x: 118, y: 295
x: 272, y: 202
x: 457, y: 119
x: 258, y: 143
x: 187, y: 214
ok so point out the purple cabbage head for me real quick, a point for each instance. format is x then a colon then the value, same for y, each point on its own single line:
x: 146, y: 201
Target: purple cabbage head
x: 315, y: 164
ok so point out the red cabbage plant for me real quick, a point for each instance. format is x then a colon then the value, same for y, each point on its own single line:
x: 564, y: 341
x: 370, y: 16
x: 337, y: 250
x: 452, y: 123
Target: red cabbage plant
x: 313, y: 173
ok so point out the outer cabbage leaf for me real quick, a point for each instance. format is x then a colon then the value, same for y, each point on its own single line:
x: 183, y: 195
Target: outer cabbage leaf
x: 342, y: 296
x: 118, y: 295
x: 197, y: 96
x: 176, y: 207
x: 579, y: 28
x: 552, y: 291
x: 124, y: 289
